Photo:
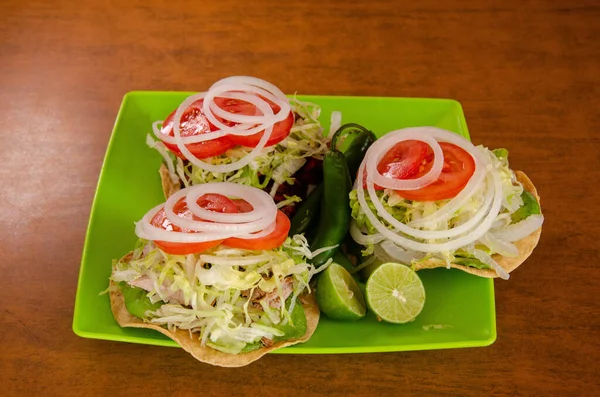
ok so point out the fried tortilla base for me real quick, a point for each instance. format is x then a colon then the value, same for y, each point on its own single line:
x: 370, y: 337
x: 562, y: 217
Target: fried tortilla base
x: 525, y: 245
x: 205, y: 354
x: 168, y: 186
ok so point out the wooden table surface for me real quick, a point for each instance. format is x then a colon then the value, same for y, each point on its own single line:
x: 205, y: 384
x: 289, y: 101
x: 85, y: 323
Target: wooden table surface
x: 526, y: 72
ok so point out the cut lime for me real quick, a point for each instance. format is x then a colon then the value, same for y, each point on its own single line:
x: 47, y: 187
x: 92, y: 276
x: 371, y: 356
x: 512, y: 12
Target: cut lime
x: 395, y: 293
x: 338, y: 294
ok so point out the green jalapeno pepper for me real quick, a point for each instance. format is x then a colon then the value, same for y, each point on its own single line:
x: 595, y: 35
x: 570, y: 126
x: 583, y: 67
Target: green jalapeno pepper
x: 353, y: 140
x: 308, y: 212
x: 335, y: 206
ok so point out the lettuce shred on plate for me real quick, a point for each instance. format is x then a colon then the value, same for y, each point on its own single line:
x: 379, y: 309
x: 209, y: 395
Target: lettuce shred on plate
x: 517, y: 204
x: 275, y: 166
x: 232, y: 300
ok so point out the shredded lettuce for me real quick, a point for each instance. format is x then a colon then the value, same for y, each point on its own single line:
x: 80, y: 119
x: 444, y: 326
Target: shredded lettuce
x: 228, y: 307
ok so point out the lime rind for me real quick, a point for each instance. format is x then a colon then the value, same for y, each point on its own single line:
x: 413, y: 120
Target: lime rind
x: 338, y: 295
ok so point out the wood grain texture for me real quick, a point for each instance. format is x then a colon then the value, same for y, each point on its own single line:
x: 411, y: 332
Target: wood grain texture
x: 526, y: 72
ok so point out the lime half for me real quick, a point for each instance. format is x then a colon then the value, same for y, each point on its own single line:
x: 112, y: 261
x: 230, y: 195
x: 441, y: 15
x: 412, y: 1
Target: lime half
x: 338, y: 294
x: 395, y: 293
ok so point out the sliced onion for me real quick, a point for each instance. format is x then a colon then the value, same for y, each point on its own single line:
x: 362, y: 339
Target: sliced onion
x: 254, y: 224
x: 361, y: 238
x: 499, y: 246
x: 404, y: 235
x: 380, y: 254
x: 262, y: 203
x: 265, y: 232
x: 520, y: 230
x: 240, y: 92
x: 222, y: 227
x: 381, y: 146
x: 144, y: 229
x: 488, y: 260
x: 250, y: 81
x: 400, y: 254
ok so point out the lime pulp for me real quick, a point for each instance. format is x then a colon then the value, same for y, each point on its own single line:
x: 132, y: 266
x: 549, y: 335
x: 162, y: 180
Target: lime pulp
x: 395, y: 293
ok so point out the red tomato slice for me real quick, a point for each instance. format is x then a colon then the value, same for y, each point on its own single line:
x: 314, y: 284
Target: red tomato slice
x: 243, y: 205
x: 217, y: 203
x: 404, y: 159
x: 280, y: 130
x: 212, y: 202
x: 458, y: 168
x: 193, y: 122
x: 273, y: 240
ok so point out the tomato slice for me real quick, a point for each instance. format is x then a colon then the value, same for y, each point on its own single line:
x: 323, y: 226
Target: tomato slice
x: 217, y: 203
x: 458, y: 168
x: 212, y: 202
x: 193, y: 122
x: 243, y: 205
x: 404, y: 159
x: 270, y: 241
x: 281, y: 129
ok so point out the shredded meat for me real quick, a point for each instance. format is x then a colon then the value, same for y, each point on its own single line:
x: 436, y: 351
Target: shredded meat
x: 146, y: 283
x: 271, y: 298
x: 266, y: 342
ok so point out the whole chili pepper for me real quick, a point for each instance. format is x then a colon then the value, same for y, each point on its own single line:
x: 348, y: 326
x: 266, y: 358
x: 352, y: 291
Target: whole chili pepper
x: 307, y: 212
x: 335, y: 206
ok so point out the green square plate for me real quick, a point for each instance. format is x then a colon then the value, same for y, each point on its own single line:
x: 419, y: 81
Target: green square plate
x: 459, y: 311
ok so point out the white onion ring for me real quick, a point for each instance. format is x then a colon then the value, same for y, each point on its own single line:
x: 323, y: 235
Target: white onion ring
x: 204, y: 226
x: 233, y: 91
x: 361, y: 238
x: 520, y: 230
x: 381, y: 146
x: 499, y: 246
x: 400, y: 254
x: 144, y: 229
x: 263, y: 233
x: 260, y: 200
x: 248, y: 80
x: 487, y: 259
x: 263, y: 223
